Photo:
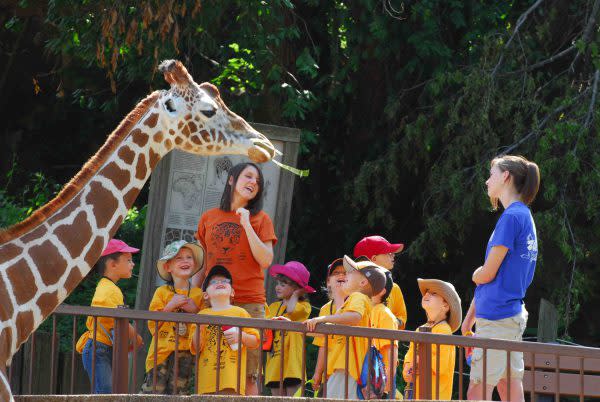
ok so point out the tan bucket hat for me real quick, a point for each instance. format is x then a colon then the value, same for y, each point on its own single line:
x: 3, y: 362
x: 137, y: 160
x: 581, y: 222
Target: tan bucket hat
x: 447, y: 291
x: 171, y: 251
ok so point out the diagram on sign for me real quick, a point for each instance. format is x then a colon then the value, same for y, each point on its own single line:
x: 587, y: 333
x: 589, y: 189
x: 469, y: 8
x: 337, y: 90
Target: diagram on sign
x: 186, y: 194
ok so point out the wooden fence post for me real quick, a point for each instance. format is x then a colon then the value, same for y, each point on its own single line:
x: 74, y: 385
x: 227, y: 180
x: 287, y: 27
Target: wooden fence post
x: 423, y: 367
x: 120, y: 369
x: 547, y: 332
x: 547, y: 322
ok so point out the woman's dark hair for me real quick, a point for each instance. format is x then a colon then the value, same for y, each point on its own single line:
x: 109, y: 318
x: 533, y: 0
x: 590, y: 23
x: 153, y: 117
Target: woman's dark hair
x: 100, y: 266
x: 255, y: 204
x: 525, y: 175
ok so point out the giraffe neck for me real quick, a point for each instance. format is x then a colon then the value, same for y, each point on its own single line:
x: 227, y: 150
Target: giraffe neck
x: 41, y: 267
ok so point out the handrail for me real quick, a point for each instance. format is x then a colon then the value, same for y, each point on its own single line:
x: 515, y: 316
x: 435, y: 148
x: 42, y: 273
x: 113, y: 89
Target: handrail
x: 329, y: 329
x: 564, y: 360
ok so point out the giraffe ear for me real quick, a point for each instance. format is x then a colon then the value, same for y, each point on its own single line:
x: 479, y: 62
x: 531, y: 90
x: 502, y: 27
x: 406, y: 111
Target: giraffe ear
x: 212, y: 90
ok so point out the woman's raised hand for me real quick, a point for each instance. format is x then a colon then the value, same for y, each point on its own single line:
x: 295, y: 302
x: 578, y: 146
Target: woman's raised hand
x: 244, y: 216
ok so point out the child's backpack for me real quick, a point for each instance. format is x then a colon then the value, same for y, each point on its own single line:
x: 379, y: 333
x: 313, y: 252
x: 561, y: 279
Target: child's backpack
x: 376, y: 376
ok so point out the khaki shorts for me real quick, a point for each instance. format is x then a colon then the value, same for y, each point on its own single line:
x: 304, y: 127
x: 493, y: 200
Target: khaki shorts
x: 510, y: 329
x: 256, y: 310
x: 165, y: 375
x: 336, y: 386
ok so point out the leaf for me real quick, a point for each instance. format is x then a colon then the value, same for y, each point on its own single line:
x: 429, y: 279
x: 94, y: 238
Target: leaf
x: 306, y: 64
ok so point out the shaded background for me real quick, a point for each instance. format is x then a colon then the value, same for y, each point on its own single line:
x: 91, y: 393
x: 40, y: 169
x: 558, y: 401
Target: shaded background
x: 401, y: 105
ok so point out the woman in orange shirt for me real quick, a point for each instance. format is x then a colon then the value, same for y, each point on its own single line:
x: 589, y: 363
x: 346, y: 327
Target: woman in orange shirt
x: 240, y: 236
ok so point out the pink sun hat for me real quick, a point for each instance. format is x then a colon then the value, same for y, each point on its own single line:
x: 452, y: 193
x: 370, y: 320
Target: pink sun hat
x: 296, y: 271
x: 118, y: 246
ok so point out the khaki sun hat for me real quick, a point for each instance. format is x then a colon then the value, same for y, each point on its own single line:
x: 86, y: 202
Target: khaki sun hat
x: 447, y: 291
x: 171, y: 251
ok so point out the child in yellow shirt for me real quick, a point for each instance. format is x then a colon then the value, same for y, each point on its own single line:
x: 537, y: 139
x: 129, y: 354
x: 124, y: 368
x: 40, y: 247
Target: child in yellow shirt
x: 115, y: 263
x: 336, y: 279
x: 383, y: 253
x: 444, y: 315
x: 218, y: 293
x: 291, y: 288
x: 361, y: 281
x: 382, y: 318
x: 179, y: 262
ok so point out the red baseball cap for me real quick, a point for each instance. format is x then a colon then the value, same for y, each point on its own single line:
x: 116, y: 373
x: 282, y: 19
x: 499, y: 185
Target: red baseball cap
x: 373, y: 245
x: 118, y: 246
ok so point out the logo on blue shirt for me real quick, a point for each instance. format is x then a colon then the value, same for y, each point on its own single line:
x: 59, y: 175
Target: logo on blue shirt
x: 532, y: 248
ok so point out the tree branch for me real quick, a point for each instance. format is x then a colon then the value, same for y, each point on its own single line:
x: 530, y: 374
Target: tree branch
x: 569, y: 291
x: 540, y: 126
x: 391, y: 11
x: 520, y: 22
x: 589, y: 118
x: 587, y: 31
x: 544, y: 62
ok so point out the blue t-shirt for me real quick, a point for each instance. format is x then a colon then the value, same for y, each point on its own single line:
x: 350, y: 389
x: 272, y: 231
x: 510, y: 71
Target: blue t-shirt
x: 503, y: 296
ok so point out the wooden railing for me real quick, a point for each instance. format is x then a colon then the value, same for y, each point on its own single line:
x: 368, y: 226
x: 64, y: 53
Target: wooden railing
x: 558, y: 370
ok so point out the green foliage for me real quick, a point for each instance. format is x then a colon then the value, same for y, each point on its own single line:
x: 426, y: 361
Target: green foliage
x: 37, y: 192
x: 401, y: 110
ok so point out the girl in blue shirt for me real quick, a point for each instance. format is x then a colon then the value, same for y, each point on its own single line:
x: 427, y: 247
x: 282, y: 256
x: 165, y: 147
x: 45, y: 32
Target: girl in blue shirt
x: 498, y: 309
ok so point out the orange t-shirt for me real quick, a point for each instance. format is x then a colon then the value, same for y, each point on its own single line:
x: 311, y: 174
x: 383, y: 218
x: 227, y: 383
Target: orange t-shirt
x: 226, y: 243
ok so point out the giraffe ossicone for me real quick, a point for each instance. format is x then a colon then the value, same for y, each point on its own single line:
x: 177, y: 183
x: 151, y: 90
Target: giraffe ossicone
x: 43, y: 258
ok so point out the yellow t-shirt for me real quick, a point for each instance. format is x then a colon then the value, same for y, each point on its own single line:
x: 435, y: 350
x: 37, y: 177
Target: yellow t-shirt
x: 447, y: 362
x: 395, y: 303
x: 358, y: 303
x: 292, y: 367
x: 166, y: 330
x: 107, y: 294
x: 382, y: 318
x: 328, y: 309
x: 228, y: 363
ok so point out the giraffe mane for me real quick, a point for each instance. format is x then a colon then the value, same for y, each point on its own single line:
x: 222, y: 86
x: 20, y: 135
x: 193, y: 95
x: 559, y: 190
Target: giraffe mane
x: 84, y: 175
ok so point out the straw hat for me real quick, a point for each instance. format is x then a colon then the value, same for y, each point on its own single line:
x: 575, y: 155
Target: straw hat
x: 171, y: 251
x: 447, y: 291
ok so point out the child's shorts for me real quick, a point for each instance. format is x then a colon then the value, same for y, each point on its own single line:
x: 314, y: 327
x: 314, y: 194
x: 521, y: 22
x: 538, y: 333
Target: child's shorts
x: 287, y: 382
x: 256, y: 310
x: 336, y: 386
x: 510, y: 329
x: 165, y: 372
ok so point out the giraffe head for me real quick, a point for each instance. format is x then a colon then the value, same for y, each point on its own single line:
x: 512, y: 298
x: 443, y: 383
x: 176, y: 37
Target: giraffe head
x: 198, y: 121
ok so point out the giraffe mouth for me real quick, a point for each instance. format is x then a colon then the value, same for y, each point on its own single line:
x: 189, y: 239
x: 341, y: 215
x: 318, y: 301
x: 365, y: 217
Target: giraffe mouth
x: 261, y: 151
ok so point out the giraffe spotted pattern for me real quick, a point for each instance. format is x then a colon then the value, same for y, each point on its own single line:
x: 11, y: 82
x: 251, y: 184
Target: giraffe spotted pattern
x: 44, y: 258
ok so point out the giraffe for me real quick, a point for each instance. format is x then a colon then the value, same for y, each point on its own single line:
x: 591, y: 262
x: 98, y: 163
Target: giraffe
x: 43, y: 258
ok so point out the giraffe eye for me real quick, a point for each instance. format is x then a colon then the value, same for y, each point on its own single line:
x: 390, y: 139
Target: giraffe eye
x: 170, y: 106
x: 208, y: 113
